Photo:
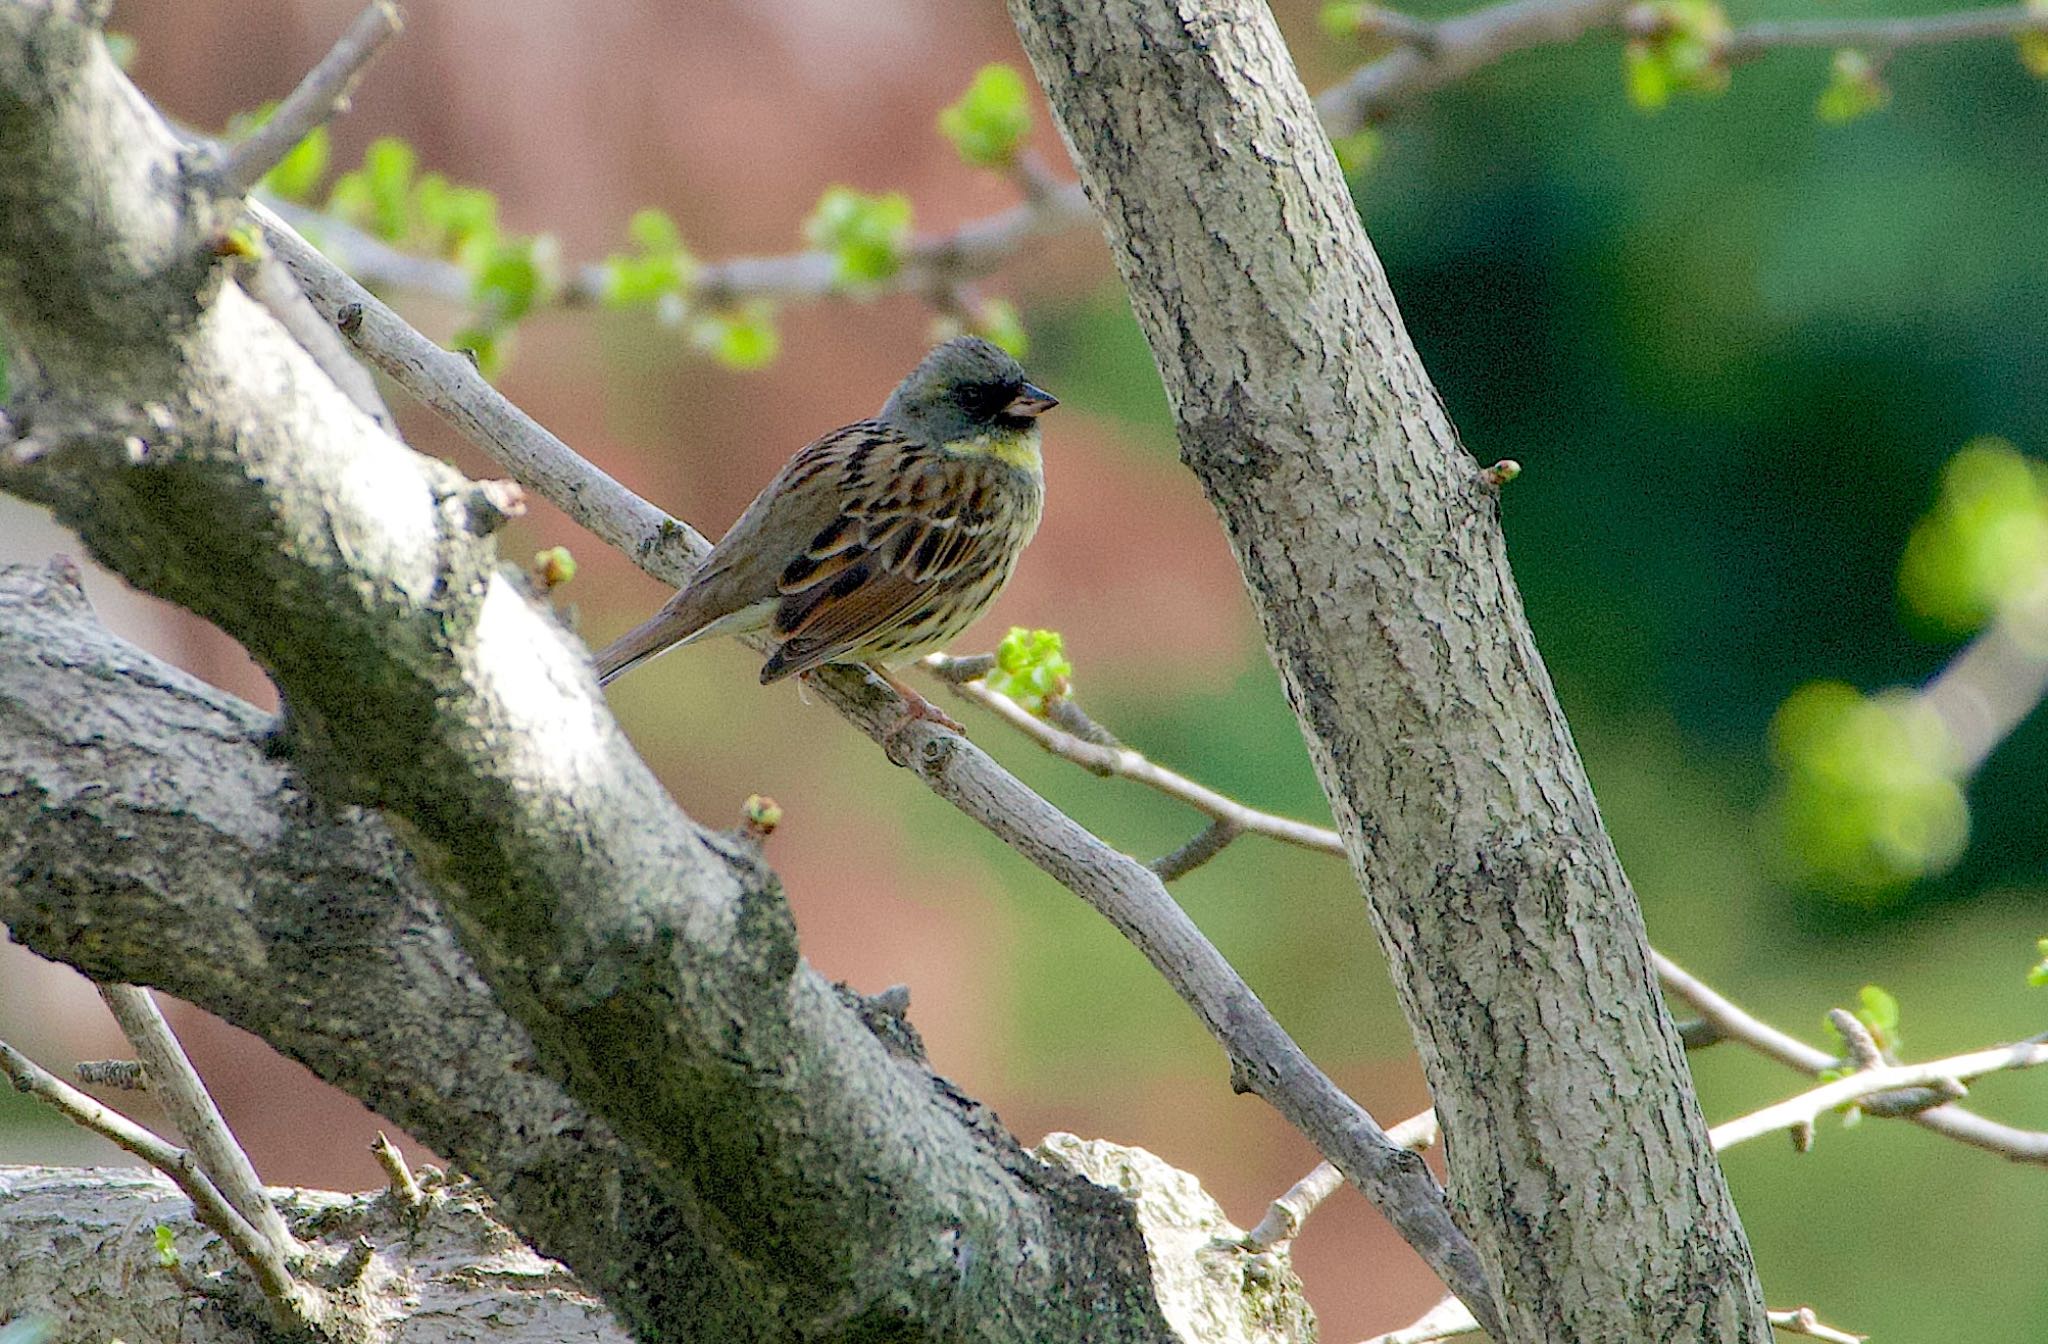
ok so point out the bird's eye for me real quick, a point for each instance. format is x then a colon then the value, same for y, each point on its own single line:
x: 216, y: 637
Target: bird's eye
x: 990, y: 398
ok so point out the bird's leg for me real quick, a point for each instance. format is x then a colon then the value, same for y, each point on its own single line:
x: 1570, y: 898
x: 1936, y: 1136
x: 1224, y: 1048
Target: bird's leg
x: 915, y: 706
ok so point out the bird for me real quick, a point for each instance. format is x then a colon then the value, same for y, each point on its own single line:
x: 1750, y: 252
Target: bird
x: 881, y: 541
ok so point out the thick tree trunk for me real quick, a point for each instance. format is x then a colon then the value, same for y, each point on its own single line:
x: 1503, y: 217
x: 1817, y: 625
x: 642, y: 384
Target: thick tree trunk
x: 1577, y: 1151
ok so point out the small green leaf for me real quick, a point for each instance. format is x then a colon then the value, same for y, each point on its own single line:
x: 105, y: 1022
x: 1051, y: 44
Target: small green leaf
x: 1031, y: 668
x: 991, y: 119
x: 2033, y: 42
x: 1679, y: 49
x: 997, y: 321
x: 1854, y: 89
x: 1879, y: 1011
x: 743, y: 338
x: 517, y: 274
x: 661, y: 268
x: 388, y: 168
x: 298, y: 173
x: 1647, y: 76
x: 166, y: 1247
x: 554, y: 566
x: 460, y: 223
x: 654, y: 231
x: 867, y: 235
x: 1357, y: 151
x: 1344, y: 18
x: 2038, y: 975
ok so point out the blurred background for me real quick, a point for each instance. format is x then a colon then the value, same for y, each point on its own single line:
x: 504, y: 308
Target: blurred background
x: 1734, y: 348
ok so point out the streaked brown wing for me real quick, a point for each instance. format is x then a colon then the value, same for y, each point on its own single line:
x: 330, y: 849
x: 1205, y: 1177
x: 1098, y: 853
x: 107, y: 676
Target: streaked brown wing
x: 747, y: 564
x: 918, y: 530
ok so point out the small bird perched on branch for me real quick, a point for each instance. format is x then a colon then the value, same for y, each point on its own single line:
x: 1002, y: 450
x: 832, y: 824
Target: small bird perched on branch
x: 879, y: 542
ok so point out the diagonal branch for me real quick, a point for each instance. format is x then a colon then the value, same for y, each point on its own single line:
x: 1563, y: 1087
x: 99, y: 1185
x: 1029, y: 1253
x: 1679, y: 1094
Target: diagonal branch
x: 264, y: 1256
x: 322, y: 94
x: 184, y: 1097
x: 1809, y: 1106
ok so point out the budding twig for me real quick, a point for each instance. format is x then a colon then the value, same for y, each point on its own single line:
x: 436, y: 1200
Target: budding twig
x: 321, y: 95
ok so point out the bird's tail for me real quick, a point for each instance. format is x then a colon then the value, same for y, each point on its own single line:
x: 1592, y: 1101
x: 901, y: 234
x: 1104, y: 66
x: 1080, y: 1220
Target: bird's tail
x: 680, y: 622
x: 651, y: 638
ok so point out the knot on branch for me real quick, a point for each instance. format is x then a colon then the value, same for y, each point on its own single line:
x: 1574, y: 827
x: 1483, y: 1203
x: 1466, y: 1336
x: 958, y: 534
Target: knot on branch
x: 488, y: 505
x: 887, y: 1015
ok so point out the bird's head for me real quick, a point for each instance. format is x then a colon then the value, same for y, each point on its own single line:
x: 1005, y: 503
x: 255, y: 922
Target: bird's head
x: 969, y: 396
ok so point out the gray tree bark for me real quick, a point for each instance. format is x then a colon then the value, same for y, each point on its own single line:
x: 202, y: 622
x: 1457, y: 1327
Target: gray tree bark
x: 1578, y: 1155
x: 743, y: 1158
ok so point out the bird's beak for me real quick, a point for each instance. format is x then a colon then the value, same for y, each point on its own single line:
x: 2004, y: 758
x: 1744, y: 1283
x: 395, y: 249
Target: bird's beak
x: 1031, y: 401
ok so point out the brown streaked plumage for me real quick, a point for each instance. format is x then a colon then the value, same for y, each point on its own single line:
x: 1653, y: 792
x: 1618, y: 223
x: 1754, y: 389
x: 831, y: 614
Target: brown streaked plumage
x: 878, y: 542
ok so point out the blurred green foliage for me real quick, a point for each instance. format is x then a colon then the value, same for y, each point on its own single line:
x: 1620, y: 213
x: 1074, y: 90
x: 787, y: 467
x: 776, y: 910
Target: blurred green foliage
x: 991, y: 119
x: 659, y: 266
x: 1869, y: 800
x: 866, y: 234
x: 1854, y: 89
x: 1983, y: 544
x: 1676, y: 49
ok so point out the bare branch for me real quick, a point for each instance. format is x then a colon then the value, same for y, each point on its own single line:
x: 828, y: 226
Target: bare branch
x: 1284, y: 1218
x: 1998, y: 678
x: 2021, y: 1145
x: 1448, y: 1319
x: 1458, y: 47
x: 398, y: 1172
x: 183, y: 1095
x: 263, y: 1256
x: 321, y: 95
x: 1123, y: 763
x: 1802, y: 1321
x: 1207, y: 843
x: 931, y: 265
x: 70, y: 1254
x: 1808, y: 1107
x: 1882, y: 34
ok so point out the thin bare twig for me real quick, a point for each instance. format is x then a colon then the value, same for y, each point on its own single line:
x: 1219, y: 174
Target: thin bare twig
x: 1286, y: 1214
x: 1802, y: 1321
x: 321, y: 95
x: 932, y: 265
x: 262, y: 1256
x: 1448, y: 1319
x: 2021, y: 1145
x: 189, y: 1105
x: 1122, y: 762
x: 1809, y: 1106
x: 1207, y: 843
x: 1881, y: 34
x: 397, y: 1172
